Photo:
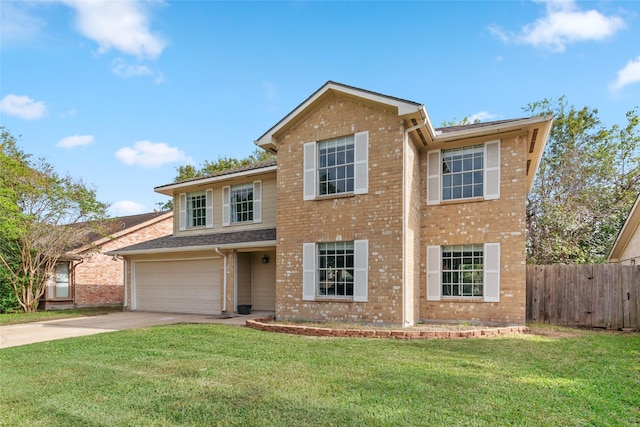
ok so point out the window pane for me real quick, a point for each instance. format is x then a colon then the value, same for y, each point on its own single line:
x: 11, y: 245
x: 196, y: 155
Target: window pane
x: 336, y: 165
x: 242, y: 203
x: 462, y: 270
x: 335, y: 269
x: 462, y: 172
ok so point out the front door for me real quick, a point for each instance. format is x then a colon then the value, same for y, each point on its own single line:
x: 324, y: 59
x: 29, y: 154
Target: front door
x: 62, y: 288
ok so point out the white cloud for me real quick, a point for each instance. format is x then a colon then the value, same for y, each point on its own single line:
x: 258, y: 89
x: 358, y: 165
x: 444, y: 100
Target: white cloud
x: 125, y: 70
x: 75, y: 141
x: 127, y: 207
x: 23, y: 107
x: 151, y: 154
x: 628, y: 75
x: 481, y: 115
x: 119, y: 25
x: 563, y: 24
x: 17, y: 24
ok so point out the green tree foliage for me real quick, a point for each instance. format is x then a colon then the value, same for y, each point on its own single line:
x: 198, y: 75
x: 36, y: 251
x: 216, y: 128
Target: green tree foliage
x: 587, y: 182
x: 43, y: 215
x: 188, y: 172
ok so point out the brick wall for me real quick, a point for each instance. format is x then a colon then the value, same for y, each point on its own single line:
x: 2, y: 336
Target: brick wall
x: 376, y: 216
x: 99, y: 278
x: 496, y: 221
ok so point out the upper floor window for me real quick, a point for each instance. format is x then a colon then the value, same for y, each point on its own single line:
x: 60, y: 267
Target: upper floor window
x: 242, y: 203
x: 464, y: 173
x: 335, y: 166
x: 196, y: 209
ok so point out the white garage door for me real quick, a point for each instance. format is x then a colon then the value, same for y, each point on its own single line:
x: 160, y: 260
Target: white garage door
x: 184, y: 286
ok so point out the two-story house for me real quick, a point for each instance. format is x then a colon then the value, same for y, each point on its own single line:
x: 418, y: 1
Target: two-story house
x: 370, y: 214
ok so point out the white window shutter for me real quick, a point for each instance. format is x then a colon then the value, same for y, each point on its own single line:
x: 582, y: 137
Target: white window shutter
x: 492, y: 272
x: 308, y: 271
x: 361, y: 163
x: 257, y: 201
x: 226, y: 206
x: 434, y: 275
x: 309, y: 171
x: 361, y: 270
x: 492, y: 170
x: 209, y: 219
x: 434, y: 167
x: 183, y: 211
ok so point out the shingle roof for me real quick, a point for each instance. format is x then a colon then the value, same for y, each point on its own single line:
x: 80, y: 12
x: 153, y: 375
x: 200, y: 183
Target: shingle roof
x: 214, y: 239
x: 115, y: 225
x: 252, y: 166
x: 475, y: 125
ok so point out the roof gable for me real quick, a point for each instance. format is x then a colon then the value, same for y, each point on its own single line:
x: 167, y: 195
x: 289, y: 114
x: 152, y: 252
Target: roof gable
x: 629, y: 229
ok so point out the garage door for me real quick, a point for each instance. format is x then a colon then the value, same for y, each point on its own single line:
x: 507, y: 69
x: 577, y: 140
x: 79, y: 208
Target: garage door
x: 184, y: 286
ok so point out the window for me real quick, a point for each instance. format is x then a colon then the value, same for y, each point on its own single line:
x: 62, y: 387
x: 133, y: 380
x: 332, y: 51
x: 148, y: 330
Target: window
x: 196, y: 209
x: 335, y: 166
x: 62, y: 289
x: 335, y: 269
x: 462, y: 172
x: 463, y: 270
x: 242, y: 203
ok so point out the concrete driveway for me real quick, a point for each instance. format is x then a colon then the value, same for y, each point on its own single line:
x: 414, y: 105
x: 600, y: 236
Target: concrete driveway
x: 28, y: 333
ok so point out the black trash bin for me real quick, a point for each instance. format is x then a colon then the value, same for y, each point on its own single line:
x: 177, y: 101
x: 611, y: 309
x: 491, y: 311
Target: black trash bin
x: 244, y: 308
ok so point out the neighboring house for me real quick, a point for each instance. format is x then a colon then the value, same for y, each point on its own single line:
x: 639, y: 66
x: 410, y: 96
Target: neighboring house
x: 370, y: 214
x: 626, y: 249
x: 88, y: 277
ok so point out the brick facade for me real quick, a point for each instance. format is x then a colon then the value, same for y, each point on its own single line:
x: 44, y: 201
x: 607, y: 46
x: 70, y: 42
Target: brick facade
x: 98, y: 279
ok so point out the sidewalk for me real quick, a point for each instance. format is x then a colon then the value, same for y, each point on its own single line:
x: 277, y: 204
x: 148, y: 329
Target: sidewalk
x: 28, y: 333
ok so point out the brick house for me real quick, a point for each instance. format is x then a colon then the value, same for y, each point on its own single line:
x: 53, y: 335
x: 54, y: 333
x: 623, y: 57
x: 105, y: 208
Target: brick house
x: 370, y: 214
x: 626, y: 249
x: 87, y: 276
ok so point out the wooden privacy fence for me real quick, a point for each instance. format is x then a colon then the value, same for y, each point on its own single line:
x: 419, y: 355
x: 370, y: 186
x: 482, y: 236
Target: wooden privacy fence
x: 598, y: 296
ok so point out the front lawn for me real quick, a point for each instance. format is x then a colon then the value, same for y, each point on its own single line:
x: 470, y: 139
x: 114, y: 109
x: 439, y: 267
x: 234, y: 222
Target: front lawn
x: 42, y: 315
x: 208, y: 375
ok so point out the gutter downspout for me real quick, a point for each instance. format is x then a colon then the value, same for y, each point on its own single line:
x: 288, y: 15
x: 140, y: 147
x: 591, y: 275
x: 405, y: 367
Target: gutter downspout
x: 125, y: 303
x: 224, y: 280
x: 406, y: 301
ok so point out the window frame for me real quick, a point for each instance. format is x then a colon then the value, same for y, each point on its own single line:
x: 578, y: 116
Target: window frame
x: 202, y: 210
x: 240, y: 189
x: 490, y: 174
x: 456, y: 276
x: 469, y: 176
x: 311, y: 177
x: 335, y: 269
x: 336, y: 148
x: 311, y: 274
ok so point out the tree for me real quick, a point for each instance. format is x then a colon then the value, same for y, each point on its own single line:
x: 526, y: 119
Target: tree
x: 43, y: 215
x: 587, y: 182
x: 188, y: 172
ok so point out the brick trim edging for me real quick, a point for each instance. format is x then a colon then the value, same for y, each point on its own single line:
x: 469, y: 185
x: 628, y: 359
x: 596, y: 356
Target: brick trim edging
x: 265, y: 324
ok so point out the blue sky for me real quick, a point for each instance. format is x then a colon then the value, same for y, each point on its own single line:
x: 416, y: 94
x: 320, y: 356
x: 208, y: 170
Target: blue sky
x: 121, y: 93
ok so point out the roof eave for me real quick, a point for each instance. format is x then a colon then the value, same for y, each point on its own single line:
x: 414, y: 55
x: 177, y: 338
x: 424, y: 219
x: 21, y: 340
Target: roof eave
x: 168, y: 189
x: 268, y: 140
x: 626, y: 232
x: 261, y: 244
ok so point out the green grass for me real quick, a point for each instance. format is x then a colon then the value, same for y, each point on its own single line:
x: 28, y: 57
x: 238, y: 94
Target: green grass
x: 40, y: 316
x: 208, y: 375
